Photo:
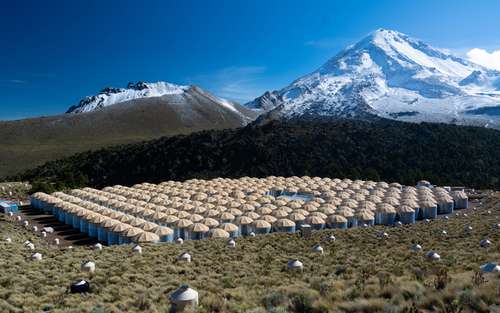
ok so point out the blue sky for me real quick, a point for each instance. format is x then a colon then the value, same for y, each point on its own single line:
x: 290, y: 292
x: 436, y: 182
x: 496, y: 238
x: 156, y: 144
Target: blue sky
x: 53, y: 53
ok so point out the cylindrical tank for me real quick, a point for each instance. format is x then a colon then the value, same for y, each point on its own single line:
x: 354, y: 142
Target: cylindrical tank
x: 245, y: 225
x: 183, y: 297
x: 461, y: 200
x: 428, y: 208
x: 197, y: 231
x: 166, y: 234
x: 385, y: 214
x: 232, y: 229
x: 445, y: 204
x: 337, y: 221
x: 262, y: 227
x: 316, y: 222
x: 284, y: 225
x: 406, y: 214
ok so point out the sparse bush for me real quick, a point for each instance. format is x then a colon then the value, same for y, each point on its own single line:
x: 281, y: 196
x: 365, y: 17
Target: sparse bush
x: 274, y: 299
x: 213, y: 303
x: 441, y: 279
x: 419, y: 274
x: 384, y: 279
x: 363, y: 306
x: 471, y: 300
x: 478, y: 278
x: 301, y: 303
x: 278, y: 310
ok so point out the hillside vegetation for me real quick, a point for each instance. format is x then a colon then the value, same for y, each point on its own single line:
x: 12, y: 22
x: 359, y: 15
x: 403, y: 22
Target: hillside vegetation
x: 382, y: 150
x: 359, y: 272
x: 32, y: 142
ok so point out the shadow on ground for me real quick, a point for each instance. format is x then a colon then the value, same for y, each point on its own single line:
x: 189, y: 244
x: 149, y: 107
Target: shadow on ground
x: 67, y: 235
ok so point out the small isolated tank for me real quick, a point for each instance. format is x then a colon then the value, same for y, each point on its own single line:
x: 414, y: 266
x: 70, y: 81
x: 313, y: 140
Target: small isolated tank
x: 88, y: 267
x: 80, y: 286
x: 295, y: 265
x: 184, y: 257
x: 183, y: 297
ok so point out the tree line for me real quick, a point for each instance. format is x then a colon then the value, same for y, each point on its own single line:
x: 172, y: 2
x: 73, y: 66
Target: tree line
x: 377, y: 150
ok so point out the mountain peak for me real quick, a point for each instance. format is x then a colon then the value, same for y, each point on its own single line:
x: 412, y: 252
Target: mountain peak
x: 384, y: 32
x: 390, y: 74
x: 109, y: 95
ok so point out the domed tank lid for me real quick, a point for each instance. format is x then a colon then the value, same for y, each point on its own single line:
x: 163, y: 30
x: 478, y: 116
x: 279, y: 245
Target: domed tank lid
x: 485, y: 243
x: 184, y: 255
x: 80, y: 282
x: 433, y: 255
x: 317, y: 248
x: 80, y: 286
x: 416, y: 247
x: 295, y: 264
x: 331, y: 238
x: 184, y: 293
x: 490, y: 268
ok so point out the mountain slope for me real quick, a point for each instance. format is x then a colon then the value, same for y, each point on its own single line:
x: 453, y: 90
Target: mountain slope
x: 109, y: 96
x: 391, y: 75
x: 385, y: 149
x: 30, y: 142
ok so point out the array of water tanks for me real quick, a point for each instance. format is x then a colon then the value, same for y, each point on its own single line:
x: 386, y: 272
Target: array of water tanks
x: 223, y: 208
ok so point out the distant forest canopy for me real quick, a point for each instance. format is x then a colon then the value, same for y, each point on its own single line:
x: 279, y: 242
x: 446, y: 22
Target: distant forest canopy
x: 371, y: 150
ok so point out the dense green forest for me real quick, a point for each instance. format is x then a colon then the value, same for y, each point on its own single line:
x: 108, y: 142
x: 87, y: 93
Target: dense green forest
x: 377, y: 150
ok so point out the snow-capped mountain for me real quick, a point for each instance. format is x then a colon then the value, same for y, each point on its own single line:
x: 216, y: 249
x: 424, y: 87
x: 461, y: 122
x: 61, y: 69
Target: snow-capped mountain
x: 182, y: 98
x: 109, y: 96
x: 391, y: 75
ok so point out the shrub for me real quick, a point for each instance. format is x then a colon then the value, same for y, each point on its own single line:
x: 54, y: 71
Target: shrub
x: 301, y: 303
x: 274, y: 299
x: 441, y: 279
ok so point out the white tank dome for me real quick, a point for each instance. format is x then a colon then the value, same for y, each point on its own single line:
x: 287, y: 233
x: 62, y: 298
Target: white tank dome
x: 485, y: 243
x: 416, y: 247
x: 295, y: 265
x: 36, y: 256
x: 183, y: 297
x: 318, y: 249
x: 137, y: 249
x: 432, y: 255
x: 184, y: 257
x: 490, y: 268
x: 88, y: 267
x: 331, y: 238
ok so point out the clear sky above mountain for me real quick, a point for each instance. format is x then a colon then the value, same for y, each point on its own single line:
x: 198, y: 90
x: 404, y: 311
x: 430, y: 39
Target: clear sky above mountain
x: 53, y: 53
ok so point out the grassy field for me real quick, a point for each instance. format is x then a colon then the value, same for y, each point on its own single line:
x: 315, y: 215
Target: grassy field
x: 359, y: 272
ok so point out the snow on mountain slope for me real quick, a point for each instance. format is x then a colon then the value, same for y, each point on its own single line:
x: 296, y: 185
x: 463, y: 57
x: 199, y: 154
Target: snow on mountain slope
x: 392, y: 75
x: 186, y: 102
x: 110, y: 96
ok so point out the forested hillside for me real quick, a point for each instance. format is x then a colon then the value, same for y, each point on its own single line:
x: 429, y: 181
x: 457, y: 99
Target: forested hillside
x: 378, y: 150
